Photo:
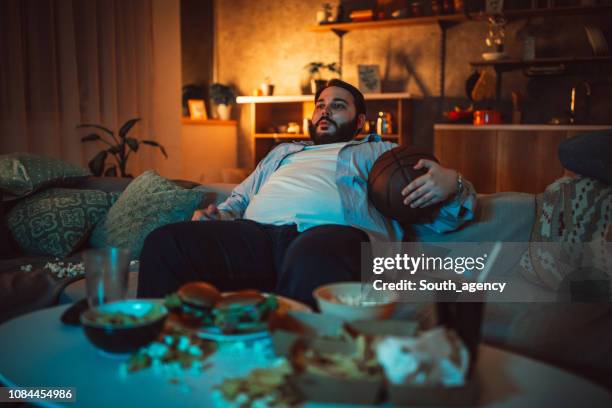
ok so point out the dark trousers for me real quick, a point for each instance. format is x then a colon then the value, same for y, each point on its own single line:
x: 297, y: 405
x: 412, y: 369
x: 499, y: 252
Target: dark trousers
x: 243, y: 254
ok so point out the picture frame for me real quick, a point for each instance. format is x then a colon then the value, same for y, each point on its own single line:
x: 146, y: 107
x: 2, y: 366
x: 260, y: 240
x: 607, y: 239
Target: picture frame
x: 197, y: 109
x: 369, y: 78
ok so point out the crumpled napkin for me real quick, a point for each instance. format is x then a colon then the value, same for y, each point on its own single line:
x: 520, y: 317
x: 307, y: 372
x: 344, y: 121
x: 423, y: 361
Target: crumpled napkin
x: 435, y: 357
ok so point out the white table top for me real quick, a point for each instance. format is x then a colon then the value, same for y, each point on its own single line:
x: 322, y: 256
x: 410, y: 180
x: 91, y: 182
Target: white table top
x: 38, y: 350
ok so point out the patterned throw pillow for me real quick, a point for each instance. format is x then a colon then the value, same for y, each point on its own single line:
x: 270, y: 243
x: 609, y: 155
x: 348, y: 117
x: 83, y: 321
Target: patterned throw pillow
x: 148, y: 202
x: 22, y: 174
x: 57, y: 221
x: 572, y: 233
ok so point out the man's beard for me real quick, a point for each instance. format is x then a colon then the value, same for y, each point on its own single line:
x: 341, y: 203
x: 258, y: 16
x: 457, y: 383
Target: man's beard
x: 343, y: 133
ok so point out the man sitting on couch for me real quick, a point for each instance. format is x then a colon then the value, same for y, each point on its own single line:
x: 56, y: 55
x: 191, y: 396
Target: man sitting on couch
x: 298, y: 221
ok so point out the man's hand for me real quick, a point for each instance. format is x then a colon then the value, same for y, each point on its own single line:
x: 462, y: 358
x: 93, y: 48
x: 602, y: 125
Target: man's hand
x: 209, y: 213
x: 435, y: 186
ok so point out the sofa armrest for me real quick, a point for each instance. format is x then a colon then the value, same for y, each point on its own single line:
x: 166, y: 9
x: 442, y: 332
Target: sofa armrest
x: 506, y: 217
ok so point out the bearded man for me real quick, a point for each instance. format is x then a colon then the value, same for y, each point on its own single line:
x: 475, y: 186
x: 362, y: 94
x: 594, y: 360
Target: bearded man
x: 298, y: 221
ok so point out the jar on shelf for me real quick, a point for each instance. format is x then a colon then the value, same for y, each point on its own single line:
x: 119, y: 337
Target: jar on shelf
x: 293, y: 128
x: 448, y: 6
x: 416, y: 9
x: 324, y: 13
x: 436, y: 7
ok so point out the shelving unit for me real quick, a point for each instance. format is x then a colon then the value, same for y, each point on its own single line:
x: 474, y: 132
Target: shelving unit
x: 445, y: 21
x: 269, y: 112
x: 540, y: 66
x: 460, y: 17
x: 505, y: 65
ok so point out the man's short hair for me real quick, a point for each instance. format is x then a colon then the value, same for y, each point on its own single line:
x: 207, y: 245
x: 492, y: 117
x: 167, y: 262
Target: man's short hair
x: 360, y: 105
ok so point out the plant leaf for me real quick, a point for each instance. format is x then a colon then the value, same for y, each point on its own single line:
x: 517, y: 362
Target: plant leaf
x: 114, y: 149
x: 127, y: 126
x: 132, y: 143
x: 154, y: 143
x: 91, y: 137
x: 111, y: 171
x: 96, y: 165
x: 107, y: 130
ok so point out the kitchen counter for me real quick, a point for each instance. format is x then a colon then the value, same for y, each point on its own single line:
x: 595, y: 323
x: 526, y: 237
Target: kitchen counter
x: 506, y: 157
x: 579, y: 128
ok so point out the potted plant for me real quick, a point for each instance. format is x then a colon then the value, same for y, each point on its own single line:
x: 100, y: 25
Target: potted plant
x: 223, y: 97
x: 119, y: 147
x: 315, y: 70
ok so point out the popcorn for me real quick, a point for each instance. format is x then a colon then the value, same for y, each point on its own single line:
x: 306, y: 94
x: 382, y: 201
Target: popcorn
x: 26, y: 268
x: 174, y: 355
x: 61, y: 270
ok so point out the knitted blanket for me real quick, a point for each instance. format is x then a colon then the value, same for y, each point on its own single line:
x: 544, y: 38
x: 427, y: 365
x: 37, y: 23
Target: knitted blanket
x: 572, y: 233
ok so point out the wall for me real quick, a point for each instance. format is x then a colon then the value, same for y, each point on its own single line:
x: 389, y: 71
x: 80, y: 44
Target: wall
x: 267, y: 38
x: 167, y: 85
x: 197, y: 35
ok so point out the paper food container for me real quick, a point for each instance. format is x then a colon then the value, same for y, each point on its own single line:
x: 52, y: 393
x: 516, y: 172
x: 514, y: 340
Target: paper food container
x: 323, y: 333
x: 410, y: 395
x: 317, y: 387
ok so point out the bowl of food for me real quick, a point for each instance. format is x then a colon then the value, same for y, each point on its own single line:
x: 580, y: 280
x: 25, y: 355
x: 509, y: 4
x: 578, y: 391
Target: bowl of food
x: 348, y: 301
x: 124, y: 326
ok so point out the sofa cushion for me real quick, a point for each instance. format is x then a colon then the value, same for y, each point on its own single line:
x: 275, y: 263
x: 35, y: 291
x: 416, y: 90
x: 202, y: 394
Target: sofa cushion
x: 589, y: 155
x: 23, y: 290
x: 214, y: 193
x: 149, y: 202
x: 22, y: 174
x: 8, y: 248
x: 57, y: 221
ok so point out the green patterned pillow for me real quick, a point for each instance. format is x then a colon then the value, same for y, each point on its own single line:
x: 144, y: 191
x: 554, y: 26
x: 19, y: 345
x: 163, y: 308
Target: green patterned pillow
x: 57, y: 221
x: 22, y: 173
x: 148, y: 202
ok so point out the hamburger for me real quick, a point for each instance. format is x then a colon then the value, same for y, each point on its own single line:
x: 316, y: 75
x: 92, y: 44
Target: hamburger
x: 200, y: 304
x: 193, y: 303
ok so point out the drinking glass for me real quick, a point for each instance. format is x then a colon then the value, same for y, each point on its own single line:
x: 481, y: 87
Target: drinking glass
x: 106, y: 274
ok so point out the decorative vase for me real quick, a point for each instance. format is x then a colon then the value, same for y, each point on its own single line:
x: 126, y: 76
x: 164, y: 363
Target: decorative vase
x: 224, y: 111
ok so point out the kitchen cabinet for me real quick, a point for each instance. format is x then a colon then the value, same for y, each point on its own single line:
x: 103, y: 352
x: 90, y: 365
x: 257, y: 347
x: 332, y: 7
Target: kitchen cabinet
x: 499, y: 158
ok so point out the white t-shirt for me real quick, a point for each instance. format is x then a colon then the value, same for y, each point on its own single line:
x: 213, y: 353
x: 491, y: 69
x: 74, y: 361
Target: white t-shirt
x: 301, y: 191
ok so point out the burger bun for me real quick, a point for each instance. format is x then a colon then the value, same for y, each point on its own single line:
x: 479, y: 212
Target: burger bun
x: 199, y: 294
x: 247, y: 297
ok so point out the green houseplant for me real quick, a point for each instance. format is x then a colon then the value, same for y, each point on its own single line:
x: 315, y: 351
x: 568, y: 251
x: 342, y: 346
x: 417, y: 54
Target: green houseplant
x: 223, y: 97
x: 315, y: 70
x: 120, y: 146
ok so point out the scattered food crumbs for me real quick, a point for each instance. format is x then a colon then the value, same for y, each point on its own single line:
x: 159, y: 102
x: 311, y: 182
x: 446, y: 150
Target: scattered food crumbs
x: 63, y: 269
x: 175, y: 353
x: 261, y: 387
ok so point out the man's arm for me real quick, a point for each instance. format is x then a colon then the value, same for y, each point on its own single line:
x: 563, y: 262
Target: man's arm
x: 442, y: 185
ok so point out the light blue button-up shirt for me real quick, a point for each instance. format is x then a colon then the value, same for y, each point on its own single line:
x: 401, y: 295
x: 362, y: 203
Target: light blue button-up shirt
x: 355, y: 160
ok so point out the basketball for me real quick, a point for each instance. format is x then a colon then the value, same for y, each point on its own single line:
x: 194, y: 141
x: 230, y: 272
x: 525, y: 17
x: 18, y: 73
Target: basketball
x: 393, y: 171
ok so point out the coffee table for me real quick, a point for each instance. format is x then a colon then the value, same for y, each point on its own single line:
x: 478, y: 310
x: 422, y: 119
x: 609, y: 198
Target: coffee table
x: 37, y: 350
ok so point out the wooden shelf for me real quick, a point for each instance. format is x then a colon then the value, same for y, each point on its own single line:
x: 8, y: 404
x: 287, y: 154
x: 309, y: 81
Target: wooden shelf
x: 550, y: 12
x: 514, y: 64
x: 397, y: 22
x: 211, y: 122
x: 310, y: 98
x: 460, y: 17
